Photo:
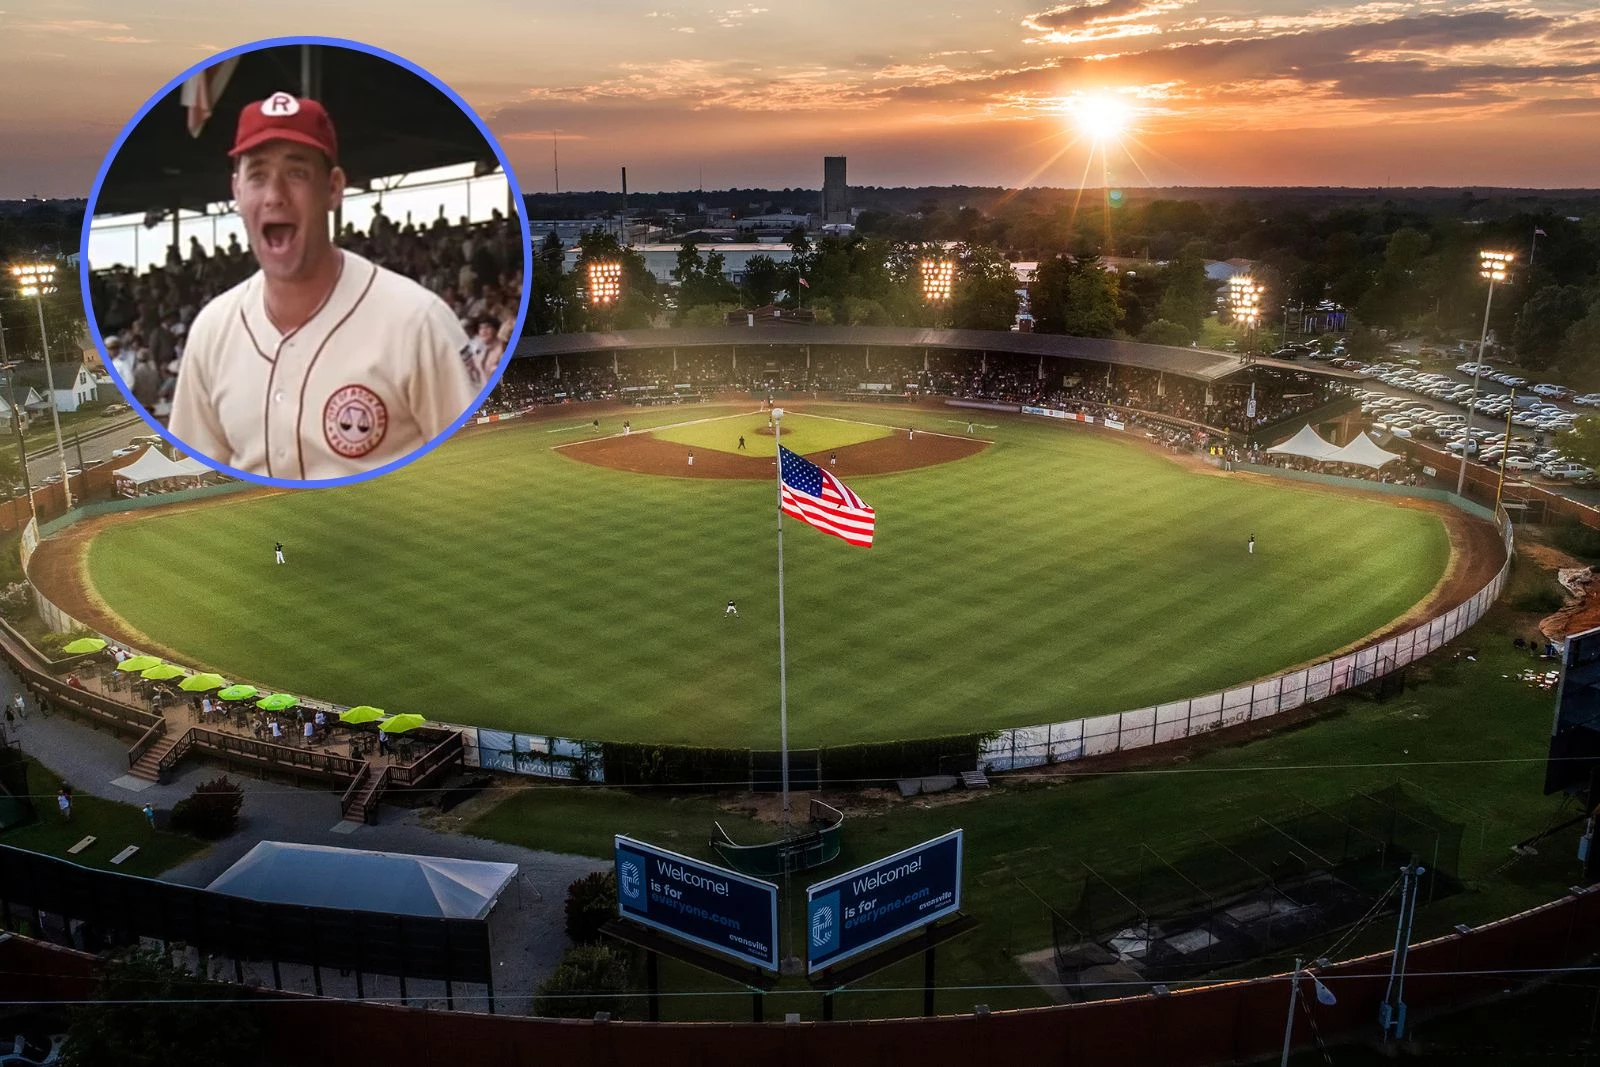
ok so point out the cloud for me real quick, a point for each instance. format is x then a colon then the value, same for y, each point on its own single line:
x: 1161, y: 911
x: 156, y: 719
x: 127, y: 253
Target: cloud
x: 1075, y: 16
x: 125, y: 40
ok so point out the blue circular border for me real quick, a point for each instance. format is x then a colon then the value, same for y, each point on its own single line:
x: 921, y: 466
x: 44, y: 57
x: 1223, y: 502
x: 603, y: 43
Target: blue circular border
x: 489, y: 138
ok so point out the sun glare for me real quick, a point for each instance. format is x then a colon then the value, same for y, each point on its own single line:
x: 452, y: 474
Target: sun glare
x: 1100, y: 117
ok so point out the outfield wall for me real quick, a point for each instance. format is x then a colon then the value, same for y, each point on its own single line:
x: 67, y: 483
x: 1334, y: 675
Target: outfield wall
x: 1035, y: 746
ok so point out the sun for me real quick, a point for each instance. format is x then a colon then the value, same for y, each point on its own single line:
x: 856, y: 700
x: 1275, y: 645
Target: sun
x: 1100, y: 117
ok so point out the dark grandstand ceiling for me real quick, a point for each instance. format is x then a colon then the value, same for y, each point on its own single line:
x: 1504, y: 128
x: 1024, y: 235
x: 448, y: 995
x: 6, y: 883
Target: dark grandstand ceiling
x: 389, y: 121
x: 1197, y: 363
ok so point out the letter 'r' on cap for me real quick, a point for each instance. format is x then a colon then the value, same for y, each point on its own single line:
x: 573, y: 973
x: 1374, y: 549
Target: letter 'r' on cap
x: 284, y: 117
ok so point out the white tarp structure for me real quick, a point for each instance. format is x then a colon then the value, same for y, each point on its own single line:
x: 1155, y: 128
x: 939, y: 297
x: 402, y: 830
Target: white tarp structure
x: 192, y: 468
x: 321, y: 876
x: 1307, y: 444
x: 1363, y: 451
x: 152, y: 466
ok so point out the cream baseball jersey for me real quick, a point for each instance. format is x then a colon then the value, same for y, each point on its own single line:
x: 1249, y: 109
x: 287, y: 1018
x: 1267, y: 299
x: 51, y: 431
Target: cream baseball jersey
x: 379, y: 370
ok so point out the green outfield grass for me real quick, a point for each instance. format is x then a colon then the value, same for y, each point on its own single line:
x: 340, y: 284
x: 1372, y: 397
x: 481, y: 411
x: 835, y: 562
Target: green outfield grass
x: 801, y: 433
x: 497, y: 582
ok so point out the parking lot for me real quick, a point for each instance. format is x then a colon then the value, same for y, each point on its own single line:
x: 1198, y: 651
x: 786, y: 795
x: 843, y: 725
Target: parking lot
x: 1515, y: 422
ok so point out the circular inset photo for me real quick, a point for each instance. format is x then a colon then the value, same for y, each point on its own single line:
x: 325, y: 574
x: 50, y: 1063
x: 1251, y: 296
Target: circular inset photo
x: 306, y: 262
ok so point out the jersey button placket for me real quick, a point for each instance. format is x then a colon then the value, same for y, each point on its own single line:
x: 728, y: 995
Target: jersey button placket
x: 283, y: 412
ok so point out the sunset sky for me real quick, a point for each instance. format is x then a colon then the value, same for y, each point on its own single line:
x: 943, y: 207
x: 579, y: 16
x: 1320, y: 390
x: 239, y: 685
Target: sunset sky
x: 1412, y: 92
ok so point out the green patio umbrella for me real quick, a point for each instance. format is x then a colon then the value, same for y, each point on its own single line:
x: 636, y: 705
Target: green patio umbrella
x: 162, y: 672
x: 83, y: 645
x: 134, y: 664
x: 361, y: 713
x: 399, y: 724
x: 199, y: 683
x: 238, y: 692
x: 277, y: 702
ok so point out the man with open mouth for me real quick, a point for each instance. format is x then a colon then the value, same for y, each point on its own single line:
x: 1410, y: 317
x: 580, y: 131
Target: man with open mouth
x: 322, y: 364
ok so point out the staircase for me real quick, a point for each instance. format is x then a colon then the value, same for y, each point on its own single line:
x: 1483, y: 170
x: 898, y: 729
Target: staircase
x: 147, y: 766
x: 364, y: 794
x: 974, y: 780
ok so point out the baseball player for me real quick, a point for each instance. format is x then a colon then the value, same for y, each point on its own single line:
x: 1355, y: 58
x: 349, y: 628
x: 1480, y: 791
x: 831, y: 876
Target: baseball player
x: 1251, y: 545
x: 277, y: 550
x: 732, y: 610
x: 321, y: 364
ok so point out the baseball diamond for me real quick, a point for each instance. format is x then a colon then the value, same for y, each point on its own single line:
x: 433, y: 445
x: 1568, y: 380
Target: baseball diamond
x: 1030, y: 573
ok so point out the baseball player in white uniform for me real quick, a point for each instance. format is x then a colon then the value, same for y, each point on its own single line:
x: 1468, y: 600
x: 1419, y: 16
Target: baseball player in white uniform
x: 321, y: 364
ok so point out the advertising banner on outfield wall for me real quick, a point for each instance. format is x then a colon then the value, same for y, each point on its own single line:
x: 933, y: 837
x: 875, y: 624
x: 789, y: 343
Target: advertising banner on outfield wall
x: 712, y: 907
x: 847, y: 915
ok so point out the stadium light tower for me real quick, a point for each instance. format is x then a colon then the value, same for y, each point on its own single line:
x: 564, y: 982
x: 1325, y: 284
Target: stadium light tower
x: 938, y: 280
x: 1244, y: 301
x: 1494, y: 267
x: 605, y: 282
x: 38, y: 280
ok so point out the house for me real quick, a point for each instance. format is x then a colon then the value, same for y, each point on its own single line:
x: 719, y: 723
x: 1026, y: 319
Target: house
x: 74, y: 386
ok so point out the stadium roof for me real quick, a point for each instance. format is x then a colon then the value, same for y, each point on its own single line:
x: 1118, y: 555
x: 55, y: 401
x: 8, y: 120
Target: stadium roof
x: 1187, y: 362
x: 389, y: 122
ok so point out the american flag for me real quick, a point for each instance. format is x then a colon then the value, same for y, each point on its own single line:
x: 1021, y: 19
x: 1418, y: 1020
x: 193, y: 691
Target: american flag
x: 818, y: 499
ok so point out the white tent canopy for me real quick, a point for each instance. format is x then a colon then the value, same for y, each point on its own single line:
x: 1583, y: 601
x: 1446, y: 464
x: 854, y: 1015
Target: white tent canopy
x: 321, y: 876
x: 192, y: 468
x: 152, y: 466
x: 1306, y: 444
x: 1363, y: 451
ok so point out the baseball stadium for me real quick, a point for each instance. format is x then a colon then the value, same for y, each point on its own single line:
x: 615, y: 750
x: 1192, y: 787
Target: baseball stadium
x: 1020, y: 556
x: 1088, y: 566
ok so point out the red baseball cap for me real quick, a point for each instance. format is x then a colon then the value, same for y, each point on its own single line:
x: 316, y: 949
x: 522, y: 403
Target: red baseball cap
x: 282, y: 117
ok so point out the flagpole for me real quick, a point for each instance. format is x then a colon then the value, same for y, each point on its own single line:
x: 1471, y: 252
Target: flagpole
x: 783, y: 666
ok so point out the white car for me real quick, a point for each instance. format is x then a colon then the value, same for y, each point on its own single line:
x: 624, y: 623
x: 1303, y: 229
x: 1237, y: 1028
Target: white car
x: 1570, y: 472
x: 1520, y: 463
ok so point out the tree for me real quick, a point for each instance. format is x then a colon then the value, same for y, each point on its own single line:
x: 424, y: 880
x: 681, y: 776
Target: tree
x: 1162, y: 332
x: 1544, y: 321
x: 211, y: 811
x: 1186, y: 293
x: 591, y: 903
x: 985, y: 294
x: 1092, y: 306
x: 1580, y: 348
x: 587, y: 980
x: 1582, y: 442
x: 762, y: 280
x: 149, y: 1012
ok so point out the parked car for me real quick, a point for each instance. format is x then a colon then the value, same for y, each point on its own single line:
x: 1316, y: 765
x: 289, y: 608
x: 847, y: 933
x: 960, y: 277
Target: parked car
x: 1568, y: 472
x: 1520, y: 463
x: 114, y: 409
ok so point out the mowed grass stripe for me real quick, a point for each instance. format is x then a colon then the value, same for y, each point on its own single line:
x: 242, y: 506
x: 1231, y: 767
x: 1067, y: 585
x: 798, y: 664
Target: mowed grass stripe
x: 1059, y: 573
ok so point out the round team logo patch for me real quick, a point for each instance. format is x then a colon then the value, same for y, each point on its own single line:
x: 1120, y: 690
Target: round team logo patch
x: 354, y: 421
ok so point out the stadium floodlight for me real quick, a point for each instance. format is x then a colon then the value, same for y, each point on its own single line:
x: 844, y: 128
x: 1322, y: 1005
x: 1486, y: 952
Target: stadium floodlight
x: 1493, y: 267
x: 1244, y: 300
x: 938, y: 280
x: 605, y: 282
x: 38, y: 280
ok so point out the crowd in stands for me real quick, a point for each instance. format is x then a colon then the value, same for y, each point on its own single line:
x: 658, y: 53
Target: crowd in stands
x: 476, y: 268
x: 1086, y: 388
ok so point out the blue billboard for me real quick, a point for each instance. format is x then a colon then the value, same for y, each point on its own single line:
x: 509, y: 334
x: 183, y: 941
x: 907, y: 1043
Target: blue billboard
x: 712, y: 907
x: 847, y: 915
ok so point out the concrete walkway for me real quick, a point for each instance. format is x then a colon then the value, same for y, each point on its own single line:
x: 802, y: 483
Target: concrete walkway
x: 527, y: 926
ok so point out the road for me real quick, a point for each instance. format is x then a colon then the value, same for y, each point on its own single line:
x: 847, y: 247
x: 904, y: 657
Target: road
x: 96, y: 444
